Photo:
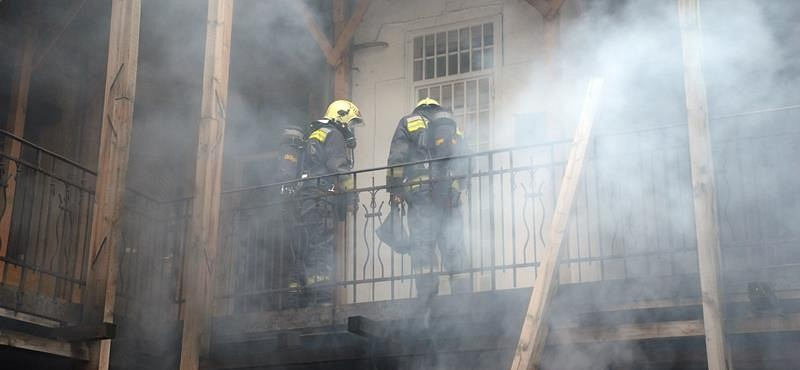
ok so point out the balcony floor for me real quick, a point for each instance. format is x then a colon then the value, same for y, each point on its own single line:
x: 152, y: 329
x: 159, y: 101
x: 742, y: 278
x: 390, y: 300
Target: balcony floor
x: 636, y: 323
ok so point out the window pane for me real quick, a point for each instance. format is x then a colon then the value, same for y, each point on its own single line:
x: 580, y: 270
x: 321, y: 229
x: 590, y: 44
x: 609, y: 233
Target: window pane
x: 422, y: 93
x: 452, y: 64
x: 434, y: 93
x: 452, y: 41
x: 447, y: 96
x: 472, y: 95
x: 429, y: 68
x: 488, y: 58
x: 476, y: 60
x: 441, y: 66
x: 483, y: 123
x: 429, y: 46
x: 463, y: 35
x: 488, y: 34
x: 417, y: 47
x: 417, y: 70
x: 458, y: 98
x: 470, y: 130
x: 440, y: 42
x: 483, y: 94
x: 476, y: 37
x: 464, y: 62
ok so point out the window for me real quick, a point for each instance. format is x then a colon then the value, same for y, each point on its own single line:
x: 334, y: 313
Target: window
x: 470, y: 101
x: 456, y: 68
x: 448, y: 53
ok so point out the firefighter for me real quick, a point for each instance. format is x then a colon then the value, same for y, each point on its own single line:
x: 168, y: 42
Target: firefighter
x: 328, y: 151
x: 432, y: 192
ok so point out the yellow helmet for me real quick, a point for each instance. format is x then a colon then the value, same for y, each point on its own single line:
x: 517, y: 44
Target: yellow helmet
x: 344, y: 112
x: 427, y: 102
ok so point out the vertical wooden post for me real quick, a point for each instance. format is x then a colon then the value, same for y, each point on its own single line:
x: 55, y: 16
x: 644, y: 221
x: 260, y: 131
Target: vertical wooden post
x: 704, y: 191
x: 202, y: 248
x: 115, y: 136
x: 16, y: 125
x: 534, y: 332
x: 341, y: 90
x: 342, y: 70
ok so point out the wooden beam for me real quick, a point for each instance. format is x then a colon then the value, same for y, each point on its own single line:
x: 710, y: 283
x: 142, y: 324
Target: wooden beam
x: 78, y: 351
x: 16, y: 125
x: 344, y: 29
x: 534, y: 329
x: 112, y: 168
x: 670, y: 329
x: 626, y: 332
x: 541, y: 5
x: 704, y: 191
x: 555, y: 7
x: 201, y: 251
x: 313, y: 27
x: 547, y: 8
x: 68, y: 333
x: 344, y: 33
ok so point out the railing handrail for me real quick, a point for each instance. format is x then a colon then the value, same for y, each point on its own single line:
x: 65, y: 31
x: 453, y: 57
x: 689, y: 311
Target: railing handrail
x: 486, y: 153
x: 36, y: 168
x: 49, y: 152
x: 511, y: 149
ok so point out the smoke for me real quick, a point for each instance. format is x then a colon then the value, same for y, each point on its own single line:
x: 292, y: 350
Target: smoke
x: 635, y: 209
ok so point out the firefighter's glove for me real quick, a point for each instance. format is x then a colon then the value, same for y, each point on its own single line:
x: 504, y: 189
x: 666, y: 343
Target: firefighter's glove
x: 395, y: 187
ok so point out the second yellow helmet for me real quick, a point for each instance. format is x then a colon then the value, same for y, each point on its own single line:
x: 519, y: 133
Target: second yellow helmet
x: 344, y: 112
x: 427, y: 102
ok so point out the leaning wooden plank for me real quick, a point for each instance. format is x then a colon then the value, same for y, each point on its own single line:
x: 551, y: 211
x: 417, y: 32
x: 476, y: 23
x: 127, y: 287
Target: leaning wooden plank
x: 201, y: 251
x: 115, y: 137
x: 534, y: 330
x: 704, y: 192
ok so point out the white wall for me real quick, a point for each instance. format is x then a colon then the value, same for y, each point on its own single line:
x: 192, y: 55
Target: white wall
x: 382, y: 87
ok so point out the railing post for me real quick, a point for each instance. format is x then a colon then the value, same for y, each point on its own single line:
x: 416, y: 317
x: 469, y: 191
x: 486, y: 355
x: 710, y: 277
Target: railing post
x: 115, y: 136
x: 201, y: 252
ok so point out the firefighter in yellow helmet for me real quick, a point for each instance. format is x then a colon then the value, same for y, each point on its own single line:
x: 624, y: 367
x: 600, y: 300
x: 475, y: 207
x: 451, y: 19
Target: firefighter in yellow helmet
x: 328, y: 151
x: 432, y: 192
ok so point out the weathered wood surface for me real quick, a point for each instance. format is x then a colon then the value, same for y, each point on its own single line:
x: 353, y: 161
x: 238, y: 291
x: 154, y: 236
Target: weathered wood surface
x: 201, y: 252
x: 115, y: 137
x: 704, y: 188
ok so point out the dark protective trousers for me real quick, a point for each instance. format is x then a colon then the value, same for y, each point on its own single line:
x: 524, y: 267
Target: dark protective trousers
x: 317, y: 220
x: 434, y: 220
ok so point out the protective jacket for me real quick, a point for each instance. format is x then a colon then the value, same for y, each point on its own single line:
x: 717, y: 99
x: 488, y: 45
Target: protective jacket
x: 326, y: 152
x: 427, y: 134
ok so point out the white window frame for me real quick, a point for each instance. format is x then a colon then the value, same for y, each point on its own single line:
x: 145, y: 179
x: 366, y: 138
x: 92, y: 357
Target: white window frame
x: 492, y: 74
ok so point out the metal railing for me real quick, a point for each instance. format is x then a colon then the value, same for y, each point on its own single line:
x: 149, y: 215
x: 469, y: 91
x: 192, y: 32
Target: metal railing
x: 632, y: 217
x: 47, y: 204
x: 151, y: 256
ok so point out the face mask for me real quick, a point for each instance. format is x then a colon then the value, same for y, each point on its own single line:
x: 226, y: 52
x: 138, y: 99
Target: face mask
x: 349, y: 136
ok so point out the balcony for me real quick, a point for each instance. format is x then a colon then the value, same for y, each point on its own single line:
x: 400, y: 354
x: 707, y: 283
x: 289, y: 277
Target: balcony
x: 628, y: 276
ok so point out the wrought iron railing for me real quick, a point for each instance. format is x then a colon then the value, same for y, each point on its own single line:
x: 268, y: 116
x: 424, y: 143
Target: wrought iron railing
x: 632, y: 217
x: 151, y: 256
x: 47, y: 204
